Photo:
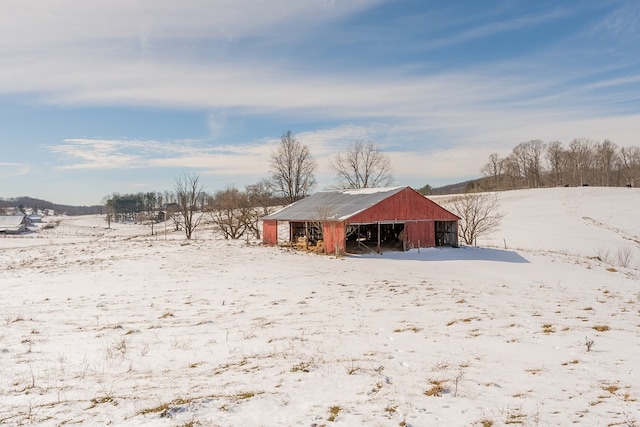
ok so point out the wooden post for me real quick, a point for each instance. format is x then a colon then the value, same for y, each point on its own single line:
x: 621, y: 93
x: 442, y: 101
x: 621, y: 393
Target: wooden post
x: 291, y: 234
x: 379, y: 239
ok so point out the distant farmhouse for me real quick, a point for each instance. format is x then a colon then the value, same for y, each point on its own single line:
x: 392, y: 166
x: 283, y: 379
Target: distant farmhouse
x: 34, y: 219
x: 369, y: 219
x: 13, y: 224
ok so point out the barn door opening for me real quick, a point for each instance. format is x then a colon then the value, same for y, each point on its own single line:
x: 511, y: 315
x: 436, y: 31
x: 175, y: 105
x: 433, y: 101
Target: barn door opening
x: 362, y: 238
x: 446, y: 233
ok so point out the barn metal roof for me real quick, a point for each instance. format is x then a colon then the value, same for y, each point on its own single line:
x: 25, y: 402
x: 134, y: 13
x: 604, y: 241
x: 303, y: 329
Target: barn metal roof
x: 11, y: 222
x: 333, y: 205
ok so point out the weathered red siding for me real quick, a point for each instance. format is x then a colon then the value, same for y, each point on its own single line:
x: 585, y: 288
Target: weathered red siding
x: 270, y: 232
x: 405, y: 205
x: 420, y: 234
x: 334, y: 237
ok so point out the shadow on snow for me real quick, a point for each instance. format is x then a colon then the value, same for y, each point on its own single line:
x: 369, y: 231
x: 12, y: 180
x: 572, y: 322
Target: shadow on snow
x: 463, y: 253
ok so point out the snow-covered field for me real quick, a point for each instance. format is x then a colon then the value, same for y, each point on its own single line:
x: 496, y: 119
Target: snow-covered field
x: 541, y: 327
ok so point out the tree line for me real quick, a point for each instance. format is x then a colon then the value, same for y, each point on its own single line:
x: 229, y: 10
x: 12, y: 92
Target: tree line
x: 38, y: 205
x: 237, y: 212
x: 583, y: 162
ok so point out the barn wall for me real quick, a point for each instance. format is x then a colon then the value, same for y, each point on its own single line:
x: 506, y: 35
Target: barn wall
x: 334, y: 233
x: 405, y: 205
x: 270, y: 232
x: 420, y: 234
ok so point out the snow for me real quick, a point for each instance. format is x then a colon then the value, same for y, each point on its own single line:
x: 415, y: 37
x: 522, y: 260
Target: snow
x: 372, y: 190
x: 119, y: 327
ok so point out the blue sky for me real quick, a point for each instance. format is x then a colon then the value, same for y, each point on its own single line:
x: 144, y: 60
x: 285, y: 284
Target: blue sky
x: 99, y: 96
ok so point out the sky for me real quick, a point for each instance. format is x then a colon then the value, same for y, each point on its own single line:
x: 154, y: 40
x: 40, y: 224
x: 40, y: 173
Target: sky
x: 116, y: 96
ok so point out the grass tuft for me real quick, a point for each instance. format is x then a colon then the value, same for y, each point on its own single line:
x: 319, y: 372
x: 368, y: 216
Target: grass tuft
x: 438, y: 387
x: 547, y: 328
x: 334, y: 411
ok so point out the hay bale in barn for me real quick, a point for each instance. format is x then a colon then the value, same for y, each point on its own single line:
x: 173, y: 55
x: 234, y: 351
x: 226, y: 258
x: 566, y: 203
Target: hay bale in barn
x: 301, y: 243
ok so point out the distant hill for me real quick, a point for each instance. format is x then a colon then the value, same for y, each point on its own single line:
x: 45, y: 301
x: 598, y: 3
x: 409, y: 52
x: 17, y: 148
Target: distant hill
x: 457, y: 188
x: 30, y: 202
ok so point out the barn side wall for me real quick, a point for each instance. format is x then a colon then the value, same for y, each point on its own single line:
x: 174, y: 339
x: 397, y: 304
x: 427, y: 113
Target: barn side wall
x: 420, y: 234
x: 334, y: 237
x: 408, y: 204
x: 270, y: 232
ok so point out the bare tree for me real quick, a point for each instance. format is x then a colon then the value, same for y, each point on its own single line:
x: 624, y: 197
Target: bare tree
x: 479, y: 214
x: 606, y: 156
x: 518, y: 160
x: 583, y: 162
x: 172, y: 212
x: 107, y: 201
x: 555, y: 159
x: 362, y: 165
x: 149, y: 219
x: 493, y: 169
x: 292, y: 169
x: 260, y: 202
x: 189, y: 198
x: 513, y: 171
x: 534, y: 151
x: 630, y: 165
x: 227, y: 210
x: 525, y: 163
x: 580, y: 156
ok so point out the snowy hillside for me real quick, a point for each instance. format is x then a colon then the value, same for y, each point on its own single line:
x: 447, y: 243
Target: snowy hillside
x: 541, y: 326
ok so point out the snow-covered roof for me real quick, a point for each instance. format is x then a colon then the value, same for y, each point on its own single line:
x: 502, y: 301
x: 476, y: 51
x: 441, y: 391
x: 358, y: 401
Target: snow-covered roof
x: 11, y: 222
x: 333, y: 205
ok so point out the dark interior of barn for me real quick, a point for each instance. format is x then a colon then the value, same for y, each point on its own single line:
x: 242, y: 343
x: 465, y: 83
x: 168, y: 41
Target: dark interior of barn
x: 364, y: 238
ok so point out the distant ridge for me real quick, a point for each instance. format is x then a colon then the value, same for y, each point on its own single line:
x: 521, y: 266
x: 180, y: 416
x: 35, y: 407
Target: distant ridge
x: 457, y: 188
x: 32, y: 203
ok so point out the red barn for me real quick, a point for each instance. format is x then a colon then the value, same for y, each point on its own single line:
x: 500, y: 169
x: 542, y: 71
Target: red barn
x: 378, y: 219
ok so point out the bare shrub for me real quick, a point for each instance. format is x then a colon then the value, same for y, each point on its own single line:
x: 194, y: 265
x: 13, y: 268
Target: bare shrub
x: 117, y: 349
x: 588, y: 343
x: 352, y: 367
x: 604, y: 255
x: 456, y: 381
x: 624, y: 256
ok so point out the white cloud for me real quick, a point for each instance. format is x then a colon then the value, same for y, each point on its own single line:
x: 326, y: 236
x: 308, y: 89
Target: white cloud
x: 622, y: 21
x: 497, y: 27
x: 82, y: 154
x: 437, y: 167
x: 35, y: 25
x: 216, y: 124
x: 9, y: 169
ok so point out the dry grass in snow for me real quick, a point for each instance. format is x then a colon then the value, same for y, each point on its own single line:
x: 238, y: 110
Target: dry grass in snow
x: 117, y: 327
